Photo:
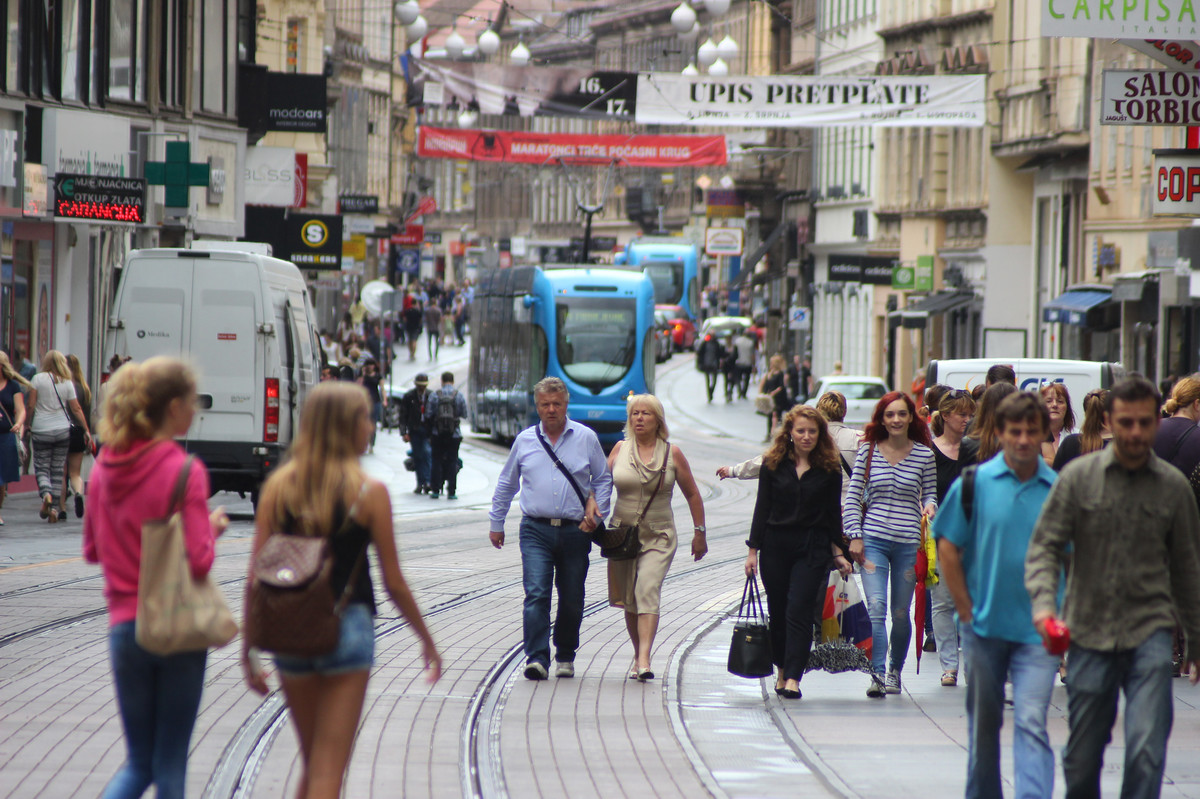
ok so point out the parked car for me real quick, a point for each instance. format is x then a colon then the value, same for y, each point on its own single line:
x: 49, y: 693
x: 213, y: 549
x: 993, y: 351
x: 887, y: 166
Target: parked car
x: 683, y: 330
x: 724, y: 325
x: 664, y: 334
x: 862, y: 393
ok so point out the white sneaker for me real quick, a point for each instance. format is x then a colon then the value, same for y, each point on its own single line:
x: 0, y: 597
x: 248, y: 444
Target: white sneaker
x: 891, y: 684
x: 535, y: 671
x: 564, y: 669
x: 875, y: 688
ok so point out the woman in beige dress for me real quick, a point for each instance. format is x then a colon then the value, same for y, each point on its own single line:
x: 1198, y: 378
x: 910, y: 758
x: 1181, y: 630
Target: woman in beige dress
x: 636, y: 463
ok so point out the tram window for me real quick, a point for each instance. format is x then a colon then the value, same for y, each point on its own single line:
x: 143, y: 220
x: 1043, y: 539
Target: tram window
x: 596, y: 341
x: 667, y: 278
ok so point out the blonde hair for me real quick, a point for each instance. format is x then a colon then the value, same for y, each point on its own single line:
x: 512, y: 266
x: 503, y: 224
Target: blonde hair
x: 1183, y: 394
x: 322, y: 471
x: 652, y: 404
x: 832, y: 406
x: 56, y: 365
x: 777, y: 363
x: 9, y: 373
x: 137, y: 396
x: 1091, y: 435
x: 77, y: 375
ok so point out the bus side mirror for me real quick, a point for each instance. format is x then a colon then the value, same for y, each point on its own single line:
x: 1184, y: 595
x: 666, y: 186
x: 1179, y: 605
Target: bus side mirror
x: 528, y: 300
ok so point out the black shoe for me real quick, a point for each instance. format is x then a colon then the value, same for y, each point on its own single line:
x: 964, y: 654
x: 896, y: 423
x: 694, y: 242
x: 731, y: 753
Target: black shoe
x: 79, y: 506
x: 930, y: 645
x: 788, y: 693
x: 420, y: 489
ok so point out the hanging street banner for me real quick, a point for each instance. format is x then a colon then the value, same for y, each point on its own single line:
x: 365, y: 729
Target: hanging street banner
x: 812, y: 102
x: 522, y: 91
x: 528, y: 147
x: 1180, y: 55
x: 1150, y: 97
x: 1120, y: 19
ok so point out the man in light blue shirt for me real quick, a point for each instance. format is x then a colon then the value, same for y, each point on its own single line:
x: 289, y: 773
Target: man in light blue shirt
x: 981, y: 557
x: 554, y: 523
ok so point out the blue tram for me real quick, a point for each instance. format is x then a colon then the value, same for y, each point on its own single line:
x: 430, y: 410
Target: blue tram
x: 593, y: 328
x: 672, y: 263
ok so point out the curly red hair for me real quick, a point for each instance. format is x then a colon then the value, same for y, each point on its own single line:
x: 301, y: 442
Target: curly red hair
x: 876, y: 432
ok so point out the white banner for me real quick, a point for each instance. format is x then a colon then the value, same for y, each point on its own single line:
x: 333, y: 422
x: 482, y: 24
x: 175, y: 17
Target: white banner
x: 804, y: 101
x: 270, y: 176
x: 1120, y: 19
x: 1150, y: 97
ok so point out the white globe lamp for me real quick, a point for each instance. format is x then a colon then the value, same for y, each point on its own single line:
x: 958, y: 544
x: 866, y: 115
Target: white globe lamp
x: 707, y: 53
x: 406, y: 12
x: 691, y: 35
x: 690, y: 70
x: 719, y: 68
x: 467, y: 119
x: 520, y: 55
x: 455, y: 44
x: 717, y: 7
x: 418, y: 28
x: 489, y: 42
x: 683, y: 18
x: 727, y: 49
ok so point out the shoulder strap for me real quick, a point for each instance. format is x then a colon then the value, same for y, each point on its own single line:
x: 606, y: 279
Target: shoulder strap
x: 180, y: 486
x: 54, y: 385
x: 968, y: 491
x: 570, y: 477
x: 845, y: 466
x: 662, y: 475
x: 1179, y: 443
x: 344, y: 599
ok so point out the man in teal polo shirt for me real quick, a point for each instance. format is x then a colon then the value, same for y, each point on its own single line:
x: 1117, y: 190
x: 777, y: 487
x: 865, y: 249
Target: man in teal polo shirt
x: 981, y: 558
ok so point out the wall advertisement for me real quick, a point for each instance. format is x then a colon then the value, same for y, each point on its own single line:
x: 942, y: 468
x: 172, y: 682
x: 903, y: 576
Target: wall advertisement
x: 1150, y: 97
x: 1126, y: 19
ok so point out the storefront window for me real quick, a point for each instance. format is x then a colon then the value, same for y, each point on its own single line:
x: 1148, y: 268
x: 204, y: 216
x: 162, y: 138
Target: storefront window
x: 73, y: 48
x: 125, y: 66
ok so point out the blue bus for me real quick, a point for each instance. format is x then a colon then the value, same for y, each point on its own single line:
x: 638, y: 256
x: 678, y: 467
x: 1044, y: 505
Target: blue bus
x: 672, y: 264
x: 594, y: 328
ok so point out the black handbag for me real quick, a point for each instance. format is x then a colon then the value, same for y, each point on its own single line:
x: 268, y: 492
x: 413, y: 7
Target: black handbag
x: 623, y: 541
x: 75, y: 439
x: 750, y: 649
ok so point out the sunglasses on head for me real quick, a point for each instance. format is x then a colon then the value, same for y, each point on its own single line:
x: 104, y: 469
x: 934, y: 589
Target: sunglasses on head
x: 957, y: 393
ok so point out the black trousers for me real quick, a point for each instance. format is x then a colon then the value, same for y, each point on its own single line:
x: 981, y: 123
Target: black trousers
x: 791, y: 580
x: 445, y: 463
x: 710, y: 383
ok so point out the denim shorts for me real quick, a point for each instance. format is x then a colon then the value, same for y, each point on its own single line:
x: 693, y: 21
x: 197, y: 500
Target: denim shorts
x: 355, y: 649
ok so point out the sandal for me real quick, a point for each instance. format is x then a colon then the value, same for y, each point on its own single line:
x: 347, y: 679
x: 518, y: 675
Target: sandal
x: 645, y: 674
x: 633, y: 672
x: 52, y: 516
x: 47, y: 501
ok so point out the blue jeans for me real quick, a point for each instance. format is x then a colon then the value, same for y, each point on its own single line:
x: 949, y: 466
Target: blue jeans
x: 158, y: 697
x: 555, y: 556
x: 900, y: 561
x: 423, y: 455
x: 990, y: 661
x: 1094, y: 680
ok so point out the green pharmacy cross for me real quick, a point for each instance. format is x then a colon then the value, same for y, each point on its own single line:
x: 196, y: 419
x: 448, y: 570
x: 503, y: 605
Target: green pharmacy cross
x: 177, y: 174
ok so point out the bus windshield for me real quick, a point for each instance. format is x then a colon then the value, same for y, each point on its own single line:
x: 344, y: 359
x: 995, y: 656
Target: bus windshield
x: 596, y: 339
x: 667, y: 277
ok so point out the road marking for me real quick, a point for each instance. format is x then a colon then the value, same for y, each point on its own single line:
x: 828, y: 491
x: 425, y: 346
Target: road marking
x: 8, y: 569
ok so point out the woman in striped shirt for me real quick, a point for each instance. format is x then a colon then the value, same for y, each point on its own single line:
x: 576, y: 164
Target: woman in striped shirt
x: 894, y: 484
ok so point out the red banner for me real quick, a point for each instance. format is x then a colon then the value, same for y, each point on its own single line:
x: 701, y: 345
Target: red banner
x: 525, y: 147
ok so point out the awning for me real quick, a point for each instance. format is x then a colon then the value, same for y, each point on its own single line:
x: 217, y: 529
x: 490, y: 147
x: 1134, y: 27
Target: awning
x: 1130, y: 287
x: 917, y: 314
x: 1071, y: 307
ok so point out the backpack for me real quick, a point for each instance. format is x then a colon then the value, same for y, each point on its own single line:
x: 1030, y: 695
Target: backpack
x: 446, y: 416
x: 968, y: 491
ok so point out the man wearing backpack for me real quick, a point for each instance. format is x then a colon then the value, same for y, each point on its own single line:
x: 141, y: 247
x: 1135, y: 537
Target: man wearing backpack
x: 442, y: 414
x: 983, y: 530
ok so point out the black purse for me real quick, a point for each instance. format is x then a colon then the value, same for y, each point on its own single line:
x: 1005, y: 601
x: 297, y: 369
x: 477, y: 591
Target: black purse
x: 624, y: 541
x: 750, y: 649
x: 75, y: 440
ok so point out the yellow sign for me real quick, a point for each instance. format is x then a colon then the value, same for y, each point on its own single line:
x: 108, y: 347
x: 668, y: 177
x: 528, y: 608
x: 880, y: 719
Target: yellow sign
x: 355, y: 247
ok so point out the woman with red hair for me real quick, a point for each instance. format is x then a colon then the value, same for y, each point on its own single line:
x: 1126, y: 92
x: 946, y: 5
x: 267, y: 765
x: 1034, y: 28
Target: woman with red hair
x: 893, y: 485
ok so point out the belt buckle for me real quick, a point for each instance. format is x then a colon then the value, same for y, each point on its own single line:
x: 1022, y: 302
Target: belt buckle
x: 556, y: 522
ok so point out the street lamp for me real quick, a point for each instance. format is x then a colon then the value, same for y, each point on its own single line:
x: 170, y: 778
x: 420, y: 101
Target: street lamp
x: 727, y: 49
x: 717, y: 7
x: 489, y: 42
x: 707, y: 53
x: 719, y: 68
x: 519, y: 55
x: 683, y: 18
x: 418, y: 28
x: 455, y: 44
x: 407, y: 12
x: 690, y: 70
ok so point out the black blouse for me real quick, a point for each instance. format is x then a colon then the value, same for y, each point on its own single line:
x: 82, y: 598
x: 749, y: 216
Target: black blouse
x: 948, y: 469
x: 794, y: 513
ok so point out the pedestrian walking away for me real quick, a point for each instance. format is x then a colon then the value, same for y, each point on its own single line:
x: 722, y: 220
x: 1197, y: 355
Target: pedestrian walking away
x: 1128, y: 522
x: 710, y: 359
x: 147, y: 406
x: 12, y: 425
x: 554, y: 464
x: 77, y: 445
x: 433, y: 329
x: 322, y: 491
x: 745, y: 347
x: 415, y: 430
x: 443, y: 411
x: 774, y: 384
x: 371, y: 380
x: 54, y: 409
x: 797, y: 529
x: 981, y: 544
x: 414, y: 320
x: 893, y: 485
x: 645, y: 470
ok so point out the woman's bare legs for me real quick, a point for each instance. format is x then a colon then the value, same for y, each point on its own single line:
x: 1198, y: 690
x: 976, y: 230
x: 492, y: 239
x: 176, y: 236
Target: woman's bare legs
x: 74, y: 481
x: 325, y: 711
x: 647, y: 628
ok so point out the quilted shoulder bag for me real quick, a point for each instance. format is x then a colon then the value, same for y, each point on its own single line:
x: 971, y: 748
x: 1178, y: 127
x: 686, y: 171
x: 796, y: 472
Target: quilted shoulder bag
x: 750, y: 649
x: 291, y: 607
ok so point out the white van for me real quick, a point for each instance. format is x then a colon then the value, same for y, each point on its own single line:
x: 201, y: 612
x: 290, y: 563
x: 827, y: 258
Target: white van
x: 1080, y: 377
x: 244, y: 320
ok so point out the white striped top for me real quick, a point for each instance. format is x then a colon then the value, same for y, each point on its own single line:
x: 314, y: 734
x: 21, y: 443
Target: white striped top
x: 895, y: 496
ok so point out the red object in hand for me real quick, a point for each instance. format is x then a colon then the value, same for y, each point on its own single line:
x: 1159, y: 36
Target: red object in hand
x: 1058, y: 637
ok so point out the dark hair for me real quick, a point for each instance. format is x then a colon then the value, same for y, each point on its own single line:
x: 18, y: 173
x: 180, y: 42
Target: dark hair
x: 875, y: 431
x: 933, y: 400
x: 1133, y: 389
x: 984, y: 430
x: 977, y: 391
x: 447, y: 377
x: 1024, y: 406
x: 1001, y: 373
x: 1065, y: 396
x: 1091, y: 434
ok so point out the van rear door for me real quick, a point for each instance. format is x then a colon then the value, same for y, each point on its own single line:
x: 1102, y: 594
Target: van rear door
x: 154, y: 308
x: 225, y: 348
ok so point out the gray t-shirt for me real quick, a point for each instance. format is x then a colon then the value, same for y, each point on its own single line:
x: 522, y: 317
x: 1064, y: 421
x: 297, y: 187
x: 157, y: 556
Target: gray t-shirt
x: 50, y: 415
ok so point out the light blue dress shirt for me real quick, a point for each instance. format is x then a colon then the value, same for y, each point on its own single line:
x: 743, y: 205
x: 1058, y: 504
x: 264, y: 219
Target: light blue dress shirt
x: 544, y: 489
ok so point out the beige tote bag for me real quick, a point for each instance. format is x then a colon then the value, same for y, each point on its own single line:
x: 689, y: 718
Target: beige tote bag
x: 175, y: 612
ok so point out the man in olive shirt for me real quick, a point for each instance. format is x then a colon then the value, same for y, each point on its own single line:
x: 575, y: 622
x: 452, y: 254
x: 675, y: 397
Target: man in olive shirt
x: 1131, y: 528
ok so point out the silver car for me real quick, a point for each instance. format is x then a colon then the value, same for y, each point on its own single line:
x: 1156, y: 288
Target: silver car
x: 862, y: 393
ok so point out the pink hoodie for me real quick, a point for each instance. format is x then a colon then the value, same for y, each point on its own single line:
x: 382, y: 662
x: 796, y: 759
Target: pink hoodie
x: 127, y: 489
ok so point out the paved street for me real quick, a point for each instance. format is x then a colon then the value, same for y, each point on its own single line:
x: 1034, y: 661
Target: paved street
x: 484, y: 730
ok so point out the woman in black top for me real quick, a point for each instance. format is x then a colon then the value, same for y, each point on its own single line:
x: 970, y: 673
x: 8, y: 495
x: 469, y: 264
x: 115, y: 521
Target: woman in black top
x: 1178, y: 441
x: 12, y: 419
x: 774, y: 384
x: 798, y: 526
x: 1093, y: 437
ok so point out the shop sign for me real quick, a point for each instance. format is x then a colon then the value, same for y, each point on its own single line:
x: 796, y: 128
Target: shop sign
x: 216, y: 180
x: 84, y: 143
x: 355, y: 247
x: 861, y: 269
x: 412, y: 236
x: 99, y: 197
x: 1176, y: 185
x: 724, y: 241
x: 358, y: 204
x: 408, y: 261
x: 310, y: 241
x: 270, y: 176
x: 1176, y: 55
x: 1150, y: 97
x: 1127, y: 19
x: 433, y: 237
x: 37, y: 192
x: 284, y: 101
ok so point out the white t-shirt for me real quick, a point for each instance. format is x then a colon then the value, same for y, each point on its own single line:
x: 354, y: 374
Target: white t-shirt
x: 48, y: 414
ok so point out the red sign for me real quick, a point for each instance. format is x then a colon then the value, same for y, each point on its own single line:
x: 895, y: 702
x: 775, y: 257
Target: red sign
x: 227, y: 337
x: 528, y: 147
x: 505, y: 259
x: 300, y: 181
x: 426, y: 205
x: 412, y: 235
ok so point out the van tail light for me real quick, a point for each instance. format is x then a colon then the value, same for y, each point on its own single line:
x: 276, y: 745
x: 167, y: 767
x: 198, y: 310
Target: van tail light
x: 104, y: 377
x: 271, y: 411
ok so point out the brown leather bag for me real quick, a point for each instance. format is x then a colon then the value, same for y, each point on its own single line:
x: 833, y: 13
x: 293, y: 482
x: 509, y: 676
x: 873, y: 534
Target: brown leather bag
x: 291, y: 608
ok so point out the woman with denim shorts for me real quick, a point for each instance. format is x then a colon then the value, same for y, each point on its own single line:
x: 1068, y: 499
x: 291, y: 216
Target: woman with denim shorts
x: 892, y: 486
x: 146, y: 407
x: 313, y: 493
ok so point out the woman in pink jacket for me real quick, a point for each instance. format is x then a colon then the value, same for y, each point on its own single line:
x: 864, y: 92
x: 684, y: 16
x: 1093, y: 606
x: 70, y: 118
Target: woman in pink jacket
x: 147, y: 406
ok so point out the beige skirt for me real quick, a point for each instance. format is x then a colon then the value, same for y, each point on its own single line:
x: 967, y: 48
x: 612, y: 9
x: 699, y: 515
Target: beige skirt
x: 636, y: 584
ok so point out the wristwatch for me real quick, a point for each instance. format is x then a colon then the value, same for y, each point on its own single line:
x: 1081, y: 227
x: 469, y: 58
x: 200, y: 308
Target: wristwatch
x: 700, y: 528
